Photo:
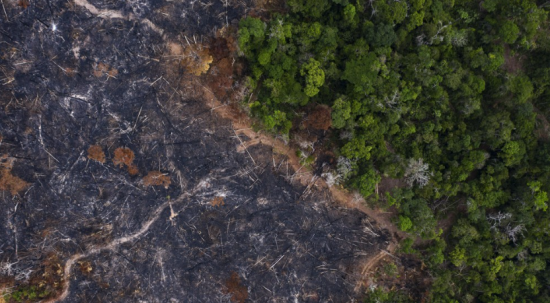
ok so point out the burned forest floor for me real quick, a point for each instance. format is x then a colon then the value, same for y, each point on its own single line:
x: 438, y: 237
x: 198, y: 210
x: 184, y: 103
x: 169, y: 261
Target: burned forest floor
x: 129, y: 174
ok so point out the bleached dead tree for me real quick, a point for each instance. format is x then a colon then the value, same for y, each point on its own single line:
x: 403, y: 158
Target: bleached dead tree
x: 438, y: 37
x: 459, y: 39
x: 330, y: 178
x: 392, y: 101
x: 346, y: 135
x: 277, y: 31
x: 417, y: 172
x: 498, y: 218
x: 344, y: 168
x: 10, y: 269
x: 514, y: 232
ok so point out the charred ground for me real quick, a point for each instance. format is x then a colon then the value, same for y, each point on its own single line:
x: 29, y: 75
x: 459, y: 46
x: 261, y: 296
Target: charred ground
x: 81, y: 78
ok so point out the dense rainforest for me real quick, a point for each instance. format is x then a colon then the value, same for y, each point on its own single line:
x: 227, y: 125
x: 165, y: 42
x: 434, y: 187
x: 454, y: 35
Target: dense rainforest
x: 451, y: 96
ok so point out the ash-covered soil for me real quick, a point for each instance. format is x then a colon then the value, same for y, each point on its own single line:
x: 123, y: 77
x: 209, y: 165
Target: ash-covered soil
x: 119, y: 184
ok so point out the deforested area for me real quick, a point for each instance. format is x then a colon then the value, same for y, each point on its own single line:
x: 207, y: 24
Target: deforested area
x: 121, y: 182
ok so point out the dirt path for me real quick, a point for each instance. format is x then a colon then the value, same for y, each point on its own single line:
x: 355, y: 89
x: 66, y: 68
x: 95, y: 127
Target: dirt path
x: 373, y: 261
x: 69, y: 264
x: 242, y: 124
x: 112, y: 14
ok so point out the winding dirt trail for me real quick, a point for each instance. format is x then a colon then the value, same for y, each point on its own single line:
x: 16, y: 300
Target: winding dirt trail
x: 69, y: 264
x: 242, y: 124
x: 113, y: 14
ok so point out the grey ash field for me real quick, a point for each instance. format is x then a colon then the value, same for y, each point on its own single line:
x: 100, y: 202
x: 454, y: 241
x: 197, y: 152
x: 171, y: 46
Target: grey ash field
x: 227, y: 228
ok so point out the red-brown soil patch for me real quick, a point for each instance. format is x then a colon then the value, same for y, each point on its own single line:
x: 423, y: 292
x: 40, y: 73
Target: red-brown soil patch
x: 95, y: 152
x: 234, y: 286
x: 9, y: 182
x: 125, y: 157
x: 104, y: 69
x: 319, y: 118
x: 156, y: 178
x: 217, y: 201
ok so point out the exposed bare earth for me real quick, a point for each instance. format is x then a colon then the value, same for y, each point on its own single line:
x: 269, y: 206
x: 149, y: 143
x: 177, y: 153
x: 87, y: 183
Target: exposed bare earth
x: 243, y: 125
